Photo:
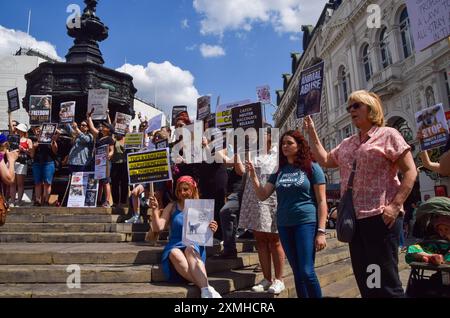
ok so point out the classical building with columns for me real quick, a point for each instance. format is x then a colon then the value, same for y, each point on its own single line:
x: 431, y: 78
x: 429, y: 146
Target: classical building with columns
x: 382, y: 60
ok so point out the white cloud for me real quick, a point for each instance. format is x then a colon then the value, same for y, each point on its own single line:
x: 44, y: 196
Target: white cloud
x: 211, y: 50
x: 172, y: 85
x: 185, y: 24
x: 294, y: 38
x: 285, y: 16
x: 191, y: 48
x: 11, y: 40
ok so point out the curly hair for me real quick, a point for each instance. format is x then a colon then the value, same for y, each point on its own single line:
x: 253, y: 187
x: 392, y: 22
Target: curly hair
x: 304, y: 158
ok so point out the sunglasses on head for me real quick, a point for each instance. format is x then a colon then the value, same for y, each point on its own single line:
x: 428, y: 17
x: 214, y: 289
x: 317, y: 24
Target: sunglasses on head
x: 354, y: 106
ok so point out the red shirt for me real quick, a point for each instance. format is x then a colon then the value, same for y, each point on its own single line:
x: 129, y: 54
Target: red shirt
x: 376, y: 182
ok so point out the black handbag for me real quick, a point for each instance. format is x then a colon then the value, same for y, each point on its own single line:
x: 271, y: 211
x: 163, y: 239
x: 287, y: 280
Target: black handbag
x: 346, y: 215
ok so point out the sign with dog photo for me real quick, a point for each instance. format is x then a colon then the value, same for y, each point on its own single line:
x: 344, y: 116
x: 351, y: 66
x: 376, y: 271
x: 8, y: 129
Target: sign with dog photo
x: 198, y: 214
x: 83, y: 190
x: 310, y: 91
x: 432, y: 127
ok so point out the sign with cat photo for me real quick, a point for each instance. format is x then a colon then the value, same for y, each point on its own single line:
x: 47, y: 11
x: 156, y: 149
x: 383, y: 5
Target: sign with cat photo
x: 198, y: 215
x: 432, y: 127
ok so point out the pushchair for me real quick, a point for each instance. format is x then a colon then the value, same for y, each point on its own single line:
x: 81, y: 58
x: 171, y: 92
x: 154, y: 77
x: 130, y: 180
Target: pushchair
x: 427, y: 280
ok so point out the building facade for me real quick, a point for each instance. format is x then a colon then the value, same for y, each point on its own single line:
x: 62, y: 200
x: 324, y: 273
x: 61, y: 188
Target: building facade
x: 382, y: 60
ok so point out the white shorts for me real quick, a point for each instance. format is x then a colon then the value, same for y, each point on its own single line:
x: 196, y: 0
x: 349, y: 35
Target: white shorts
x: 20, y: 169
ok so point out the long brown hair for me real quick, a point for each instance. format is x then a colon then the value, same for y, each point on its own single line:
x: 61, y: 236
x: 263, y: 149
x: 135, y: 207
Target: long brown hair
x: 304, y: 157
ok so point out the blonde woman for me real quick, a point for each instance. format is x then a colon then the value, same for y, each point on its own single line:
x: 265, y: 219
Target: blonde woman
x: 378, y: 195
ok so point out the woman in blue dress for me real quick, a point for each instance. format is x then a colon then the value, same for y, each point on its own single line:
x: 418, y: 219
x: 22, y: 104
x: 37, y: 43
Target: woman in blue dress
x: 182, y: 263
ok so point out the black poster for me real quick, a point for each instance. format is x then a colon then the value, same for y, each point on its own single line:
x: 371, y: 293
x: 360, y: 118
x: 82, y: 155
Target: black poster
x: 13, y: 100
x: 177, y: 110
x: 310, y: 91
x: 247, y: 116
x: 203, y: 107
x: 47, y: 132
x: 14, y: 142
x: 163, y: 144
x: 40, y: 109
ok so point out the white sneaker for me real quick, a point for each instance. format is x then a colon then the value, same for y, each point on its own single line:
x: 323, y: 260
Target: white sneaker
x: 209, y: 292
x: 277, y: 287
x: 262, y: 286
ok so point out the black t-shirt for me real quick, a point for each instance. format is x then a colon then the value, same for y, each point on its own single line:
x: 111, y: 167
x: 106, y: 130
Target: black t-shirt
x: 108, y: 140
x: 44, y: 154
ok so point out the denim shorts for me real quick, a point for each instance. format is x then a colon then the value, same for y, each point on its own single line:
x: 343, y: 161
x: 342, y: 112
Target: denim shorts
x: 43, y: 173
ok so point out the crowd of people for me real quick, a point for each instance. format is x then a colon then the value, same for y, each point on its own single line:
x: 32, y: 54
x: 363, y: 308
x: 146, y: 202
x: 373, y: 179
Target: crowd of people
x: 279, y: 196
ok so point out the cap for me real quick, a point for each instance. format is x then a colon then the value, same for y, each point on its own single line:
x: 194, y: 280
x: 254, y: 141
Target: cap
x: 3, y: 139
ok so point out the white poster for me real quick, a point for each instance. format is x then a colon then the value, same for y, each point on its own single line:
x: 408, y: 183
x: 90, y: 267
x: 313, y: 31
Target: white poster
x: 67, y: 112
x: 101, y: 162
x: 430, y: 21
x: 98, y: 99
x: 432, y: 127
x: 83, y: 190
x: 198, y: 214
x: 263, y: 93
x: 122, y: 123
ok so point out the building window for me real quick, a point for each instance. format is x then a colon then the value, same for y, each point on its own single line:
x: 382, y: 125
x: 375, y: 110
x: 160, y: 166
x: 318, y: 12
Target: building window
x: 366, y: 62
x: 343, y: 85
x: 429, y: 94
x: 386, y: 59
x: 405, y: 31
x: 347, y: 131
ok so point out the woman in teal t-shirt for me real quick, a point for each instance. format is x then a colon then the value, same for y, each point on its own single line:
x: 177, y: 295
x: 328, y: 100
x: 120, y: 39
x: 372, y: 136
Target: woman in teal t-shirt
x: 301, y: 211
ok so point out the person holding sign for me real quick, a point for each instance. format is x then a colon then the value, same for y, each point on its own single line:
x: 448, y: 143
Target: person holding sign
x: 80, y: 156
x: 103, y: 137
x: 43, y: 156
x: 378, y: 153
x: 20, y: 165
x: 301, y: 209
x: 7, y: 174
x: 443, y: 166
x: 182, y: 263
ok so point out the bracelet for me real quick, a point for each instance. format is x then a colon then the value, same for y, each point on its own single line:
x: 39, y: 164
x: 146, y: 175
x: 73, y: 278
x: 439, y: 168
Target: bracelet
x: 322, y: 231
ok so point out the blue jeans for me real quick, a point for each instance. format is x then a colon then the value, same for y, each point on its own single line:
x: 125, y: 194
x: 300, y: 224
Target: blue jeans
x: 43, y: 172
x: 299, y: 245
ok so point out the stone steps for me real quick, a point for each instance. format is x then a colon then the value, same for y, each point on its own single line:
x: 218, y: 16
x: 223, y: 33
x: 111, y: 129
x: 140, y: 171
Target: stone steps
x: 61, y: 218
x: 74, y: 227
x: 38, y: 237
x: 59, y: 211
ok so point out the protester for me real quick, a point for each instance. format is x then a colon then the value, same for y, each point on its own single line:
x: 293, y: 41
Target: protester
x: 81, y: 155
x: 43, y: 156
x: 21, y: 166
x: 443, y: 166
x: 12, y: 124
x: 180, y: 262
x: 119, y: 173
x: 260, y: 217
x: 7, y: 174
x: 378, y: 195
x: 301, y: 211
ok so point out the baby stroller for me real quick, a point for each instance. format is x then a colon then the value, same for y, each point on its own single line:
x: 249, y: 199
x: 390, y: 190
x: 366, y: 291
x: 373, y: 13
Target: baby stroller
x: 427, y: 280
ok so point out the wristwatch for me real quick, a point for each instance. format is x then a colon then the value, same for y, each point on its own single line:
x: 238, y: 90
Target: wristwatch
x: 322, y: 231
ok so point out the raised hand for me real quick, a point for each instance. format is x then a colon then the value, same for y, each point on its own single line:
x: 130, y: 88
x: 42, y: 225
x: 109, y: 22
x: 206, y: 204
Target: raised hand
x: 213, y: 226
x: 153, y: 203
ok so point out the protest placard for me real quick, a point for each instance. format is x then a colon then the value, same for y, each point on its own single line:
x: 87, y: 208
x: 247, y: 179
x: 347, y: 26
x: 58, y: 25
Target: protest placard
x: 310, y: 91
x: 177, y: 110
x: 223, y: 114
x: 13, y: 99
x: 429, y: 22
x: 432, y: 127
x: 163, y: 144
x: 14, y: 141
x: 203, y: 107
x: 134, y: 140
x: 101, y: 162
x: 247, y: 116
x: 40, y: 109
x: 47, y: 133
x: 122, y: 125
x: 83, y: 190
x: 98, y: 99
x: 198, y: 214
x: 149, y: 166
x: 263, y: 93
x: 67, y: 112
x: 154, y: 123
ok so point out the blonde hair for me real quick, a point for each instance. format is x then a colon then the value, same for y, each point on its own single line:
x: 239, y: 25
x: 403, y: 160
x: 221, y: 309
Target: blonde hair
x: 371, y: 100
x: 194, y: 189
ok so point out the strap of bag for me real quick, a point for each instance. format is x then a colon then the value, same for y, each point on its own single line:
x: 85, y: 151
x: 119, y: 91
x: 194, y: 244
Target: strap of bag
x: 352, y: 175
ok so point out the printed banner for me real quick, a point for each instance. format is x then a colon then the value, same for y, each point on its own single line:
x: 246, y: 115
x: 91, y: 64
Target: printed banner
x: 177, y: 110
x: 67, y: 113
x: 13, y: 99
x: 149, y: 166
x: 40, y: 109
x: 432, y: 127
x: 197, y: 216
x: 223, y: 114
x: 98, y: 99
x: 263, y: 93
x: 101, y: 162
x: 247, y: 116
x: 14, y: 142
x: 429, y: 20
x: 123, y: 122
x: 203, y: 107
x: 310, y: 91
x: 83, y: 190
x: 134, y: 141
x: 47, y: 133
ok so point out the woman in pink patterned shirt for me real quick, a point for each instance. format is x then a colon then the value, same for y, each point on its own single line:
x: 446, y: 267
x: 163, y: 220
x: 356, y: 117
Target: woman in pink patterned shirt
x: 378, y: 195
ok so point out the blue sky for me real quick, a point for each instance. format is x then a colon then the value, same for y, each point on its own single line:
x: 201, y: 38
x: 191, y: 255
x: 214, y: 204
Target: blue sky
x: 254, y: 39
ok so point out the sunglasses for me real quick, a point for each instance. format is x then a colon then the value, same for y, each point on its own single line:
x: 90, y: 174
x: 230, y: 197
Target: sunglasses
x: 83, y: 125
x: 354, y: 106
